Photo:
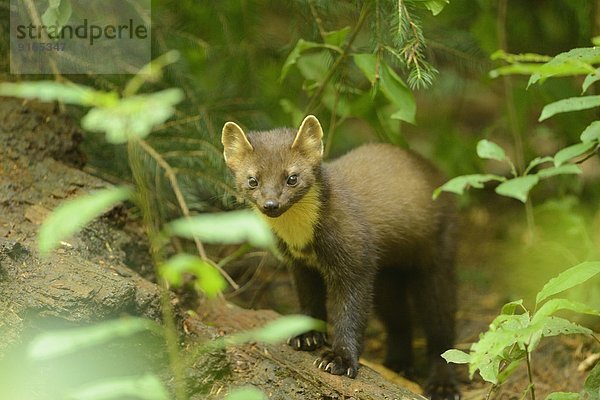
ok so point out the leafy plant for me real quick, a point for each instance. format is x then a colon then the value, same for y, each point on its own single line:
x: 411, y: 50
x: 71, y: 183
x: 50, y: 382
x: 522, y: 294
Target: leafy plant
x: 336, y: 71
x: 565, y: 161
x: 519, y: 185
x: 515, y: 334
x: 574, y: 62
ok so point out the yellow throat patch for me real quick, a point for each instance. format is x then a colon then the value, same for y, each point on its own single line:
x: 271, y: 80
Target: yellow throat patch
x: 296, y: 226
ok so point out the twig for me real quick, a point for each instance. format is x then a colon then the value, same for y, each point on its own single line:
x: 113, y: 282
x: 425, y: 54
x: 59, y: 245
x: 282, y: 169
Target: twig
x: 587, y: 157
x: 332, y: 123
x: 489, y: 393
x: 186, y: 120
x: 36, y: 20
x: 170, y: 174
x: 250, y: 281
x: 529, y: 374
x: 244, y: 249
x: 317, y: 96
x: 508, y: 88
x: 318, y: 20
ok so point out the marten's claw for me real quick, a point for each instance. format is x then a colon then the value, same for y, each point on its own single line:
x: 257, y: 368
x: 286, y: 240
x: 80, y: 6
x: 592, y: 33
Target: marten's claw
x: 308, y: 341
x: 336, y: 365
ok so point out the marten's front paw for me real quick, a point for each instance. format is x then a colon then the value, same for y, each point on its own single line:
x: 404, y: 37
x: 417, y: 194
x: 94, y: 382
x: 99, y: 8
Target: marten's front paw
x: 308, y: 341
x: 337, y: 365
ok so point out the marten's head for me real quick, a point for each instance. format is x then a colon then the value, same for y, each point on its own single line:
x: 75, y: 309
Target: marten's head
x: 274, y: 169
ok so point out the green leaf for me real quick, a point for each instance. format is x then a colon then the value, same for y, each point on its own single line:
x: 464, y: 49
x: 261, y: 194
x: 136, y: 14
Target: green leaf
x: 592, y: 382
x: 493, y: 345
x: 553, y: 326
x: 226, y: 228
x: 68, y: 93
x: 566, y: 280
x: 510, y: 308
x: 313, y: 67
x: 490, y: 370
x: 563, y: 396
x: 367, y: 63
x: 73, y: 215
x: 490, y: 150
x: 459, y: 184
x: 246, y: 393
x: 209, y: 279
x: 573, y: 62
x: 570, y: 104
x: 538, y: 70
x: 518, y: 188
x: 456, y: 356
x: 392, y: 86
x: 537, y: 161
x: 519, y: 58
x: 59, y: 343
x: 339, y: 101
x: 510, y: 322
x: 57, y: 14
x: 514, y: 363
x: 554, y: 305
x: 564, y: 155
x: 562, y: 170
x: 133, y: 116
x: 435, y: 6
x: 295, y: 54
x: 279, y: 330
x: 146, y: 387
x: 591, y: 133
x: 337, y: 38
x: 590, y: 79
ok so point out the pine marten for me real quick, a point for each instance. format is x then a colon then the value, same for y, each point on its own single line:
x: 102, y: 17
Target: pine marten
x: 358, y: 231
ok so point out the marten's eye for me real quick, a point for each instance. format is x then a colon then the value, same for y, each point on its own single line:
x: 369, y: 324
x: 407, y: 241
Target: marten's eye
x: 252, y: 182
x: 292, y: 180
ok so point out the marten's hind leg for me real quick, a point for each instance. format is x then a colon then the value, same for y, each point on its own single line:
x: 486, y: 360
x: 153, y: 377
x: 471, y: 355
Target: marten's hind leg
x: 391, y: 305
x: 435, y: 300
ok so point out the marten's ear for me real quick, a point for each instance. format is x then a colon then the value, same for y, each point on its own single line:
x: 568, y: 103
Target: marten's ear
x: 309, y: 139
x: 235, y: 143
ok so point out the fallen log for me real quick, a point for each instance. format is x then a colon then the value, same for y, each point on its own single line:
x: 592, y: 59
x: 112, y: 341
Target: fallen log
x: 283, y: 373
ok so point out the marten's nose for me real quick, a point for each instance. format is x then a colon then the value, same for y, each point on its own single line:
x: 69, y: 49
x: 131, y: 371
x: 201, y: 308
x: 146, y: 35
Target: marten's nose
x: 271, y: 205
